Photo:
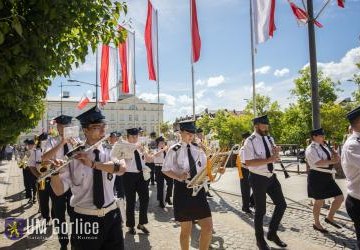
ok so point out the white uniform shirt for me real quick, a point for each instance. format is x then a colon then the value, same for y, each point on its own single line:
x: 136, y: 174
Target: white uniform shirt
x: 350, y: 161
x: 315, y: 153
x: 178, y: 161
x: 159, y: 160
x: 254, y: 148
x: 130, y: 164
x: 53, y: 142
x: 242, y: 156
x: 35, y: 158
x: 79, y: 178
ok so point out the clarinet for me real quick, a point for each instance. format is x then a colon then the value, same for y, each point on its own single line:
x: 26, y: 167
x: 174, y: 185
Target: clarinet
x: 286, y: 174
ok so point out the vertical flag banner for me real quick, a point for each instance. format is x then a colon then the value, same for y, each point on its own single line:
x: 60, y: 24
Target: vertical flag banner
x: 264, y: 19
x: 301, y: 15
x: 83, y: 102
x: 195, y: 34
x: 104, y: 73
x: 127, y: 62
x: 151, y: 42
x: 341, y: 3
x: 113, y: 70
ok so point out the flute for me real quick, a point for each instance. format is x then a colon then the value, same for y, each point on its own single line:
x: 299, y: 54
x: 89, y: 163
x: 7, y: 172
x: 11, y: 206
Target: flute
x: 286, y: 174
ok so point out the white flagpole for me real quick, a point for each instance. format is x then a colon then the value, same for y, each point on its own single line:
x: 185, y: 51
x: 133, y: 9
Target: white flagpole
x: 157, y: 69
x: 192, y: 63
x: 134, y: 85
x: 252, y: 57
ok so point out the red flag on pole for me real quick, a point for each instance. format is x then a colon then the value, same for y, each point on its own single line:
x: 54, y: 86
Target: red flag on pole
x: 104, y: 73
x: 301, y: 15
x: 150, y: 41
x: 123, y: 62
x: 341, y: 3
x: 264, y: 20
x: 195, y: 35
x: 83, y: 102
x: 127, y: 61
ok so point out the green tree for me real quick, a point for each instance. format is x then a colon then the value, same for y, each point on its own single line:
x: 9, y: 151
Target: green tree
x: 356, y: 80
x: 40, y: 40
x: 165, y: 128
x: 263, y: 104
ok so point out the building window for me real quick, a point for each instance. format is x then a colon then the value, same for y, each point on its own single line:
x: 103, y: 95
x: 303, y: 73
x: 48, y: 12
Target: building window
x: 132, y: 107
x: 130, y: 117
x: 112, y: 116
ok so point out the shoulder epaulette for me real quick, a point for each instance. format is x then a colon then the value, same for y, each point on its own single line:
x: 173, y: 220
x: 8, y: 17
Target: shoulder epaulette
x: 176, y: 147
x: 195, y: 144
x: 358, y: 139
x: 252, y: 137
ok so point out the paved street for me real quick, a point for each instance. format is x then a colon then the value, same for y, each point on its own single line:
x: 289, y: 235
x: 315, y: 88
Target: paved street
x: 232, y: 228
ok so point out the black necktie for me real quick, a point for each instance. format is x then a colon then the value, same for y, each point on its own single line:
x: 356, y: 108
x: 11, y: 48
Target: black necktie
x: 66, y: 149
x: 191, y: 162
x: 98, y: 189
x: 164, y: 154
x: 326, y: 152
x: 138, y: 161
x: 267, y: 152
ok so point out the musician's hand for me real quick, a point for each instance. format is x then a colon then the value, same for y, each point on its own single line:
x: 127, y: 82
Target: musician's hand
x: 83, y: 157
x: 183, y: 176
x: 336, y: 158
x: 274, y: 158
x: 222, y: 170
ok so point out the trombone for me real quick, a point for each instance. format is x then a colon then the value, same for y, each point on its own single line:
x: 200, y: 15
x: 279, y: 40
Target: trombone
x: 51, y: 169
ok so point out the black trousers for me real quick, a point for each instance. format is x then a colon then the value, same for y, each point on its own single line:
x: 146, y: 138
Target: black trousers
x: 353, y: 209
x: 97, y: 232
x: 44, y: 198
x: 119, y: 187
x: 152, y: 173
x: 29, y: 183
x: 261, y: 186
x: 160, y: 179
x: 61, y: 204
x: 247, y: 199
x: 134, y: 183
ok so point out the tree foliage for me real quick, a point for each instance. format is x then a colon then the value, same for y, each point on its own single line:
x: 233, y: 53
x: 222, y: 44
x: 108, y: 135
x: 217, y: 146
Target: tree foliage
x: 42, y: 39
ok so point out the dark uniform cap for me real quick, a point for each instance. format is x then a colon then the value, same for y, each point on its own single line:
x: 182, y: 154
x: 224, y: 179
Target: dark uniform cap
x: 114, y: 133
x: 63, y: 119
x: 188, y: 126
x: 92, y: 116
x: 199, y: 130
x: 316, y: 132
x: 132, y: 131
x: 43, y: 137
x: 353, y: 114
x: 245, y: 135
x: 261, y: 119
x: 159, y: 139
x: 140, y: 129
x: 30, y: 142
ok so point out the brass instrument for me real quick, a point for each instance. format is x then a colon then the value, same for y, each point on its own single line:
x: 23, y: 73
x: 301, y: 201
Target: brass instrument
x: 286, y: 174
x: 22, y: 163
x: 51, y: 169
x: 216, y: 160
x: 42, y: 185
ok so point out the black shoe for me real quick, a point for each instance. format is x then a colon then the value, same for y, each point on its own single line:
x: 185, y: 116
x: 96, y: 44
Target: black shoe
x: 152, y: 183
x: 262, y: 245
x: 168, y: 201
x: 321, y: 230
x: 161, y: 204
x: 143, y: 228
x: 34, y: 200
x: 132, y: 230
x: 332, y: 223
x: 208, y: 194
x: 274, y: 238
x: 64, y: 247
x: 247, y: 210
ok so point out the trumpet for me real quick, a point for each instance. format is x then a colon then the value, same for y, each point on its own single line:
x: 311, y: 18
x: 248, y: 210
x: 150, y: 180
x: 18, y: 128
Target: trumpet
x: 286, y: 174
x: 23, y: 162
x: 216, y: 160
x: 50, y: 169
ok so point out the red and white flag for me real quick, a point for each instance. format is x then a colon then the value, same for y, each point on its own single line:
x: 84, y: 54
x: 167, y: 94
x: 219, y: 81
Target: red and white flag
x: 104, y: 73
x: 195, y: 34
x: 83, y: 102
x: 264, y: 19
x: 127, y: 62
x: 341, y: 3
x: 151, y: 29
x: 301, y: 15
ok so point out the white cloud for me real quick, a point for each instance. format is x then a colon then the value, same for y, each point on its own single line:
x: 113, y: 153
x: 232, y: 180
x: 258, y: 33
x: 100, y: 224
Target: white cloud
x: 220, y: 93
x: 215, y: 81
x: 343, y: 70
x: 184, y: 99
x: 263, y: 70
x: 200, y: 82
x: 199, y: 94
x: 165, y: 98
x: 261, y: 87
x: 281, y: 72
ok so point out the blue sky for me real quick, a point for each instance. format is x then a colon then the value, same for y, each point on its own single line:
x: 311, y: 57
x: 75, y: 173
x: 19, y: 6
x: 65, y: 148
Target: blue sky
x: 222, y: 74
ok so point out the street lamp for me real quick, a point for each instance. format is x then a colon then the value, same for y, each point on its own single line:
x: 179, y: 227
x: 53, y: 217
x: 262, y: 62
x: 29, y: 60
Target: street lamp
x: 61, y: 94
x: 88, y: 83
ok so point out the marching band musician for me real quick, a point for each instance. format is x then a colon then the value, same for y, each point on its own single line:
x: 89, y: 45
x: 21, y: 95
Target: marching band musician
x: 259, y: 158
x: 119, y: 182
x: 44, y: 189
x: 321, y: 184
x: 247, y: 200
x: 135, y: 182
x: 183, y: 161
x: 29, y: 178
x: 57, y: 148
x: 91, y: 180
x: 350, y: 161
x: 152, y: 146
x: 159, y: 157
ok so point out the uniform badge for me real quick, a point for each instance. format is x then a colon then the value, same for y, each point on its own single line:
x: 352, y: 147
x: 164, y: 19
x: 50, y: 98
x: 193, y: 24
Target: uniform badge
x: 110, y: 176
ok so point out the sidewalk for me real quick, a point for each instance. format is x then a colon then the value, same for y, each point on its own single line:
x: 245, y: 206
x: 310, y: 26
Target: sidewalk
x: 232, y: 228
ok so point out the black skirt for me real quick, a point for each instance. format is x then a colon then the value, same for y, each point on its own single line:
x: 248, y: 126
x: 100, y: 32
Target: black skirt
x: 321, y: 185
x: 188, y: 207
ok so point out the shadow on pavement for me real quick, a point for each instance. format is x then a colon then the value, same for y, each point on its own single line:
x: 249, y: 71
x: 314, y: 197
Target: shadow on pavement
x: 129, y: 241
